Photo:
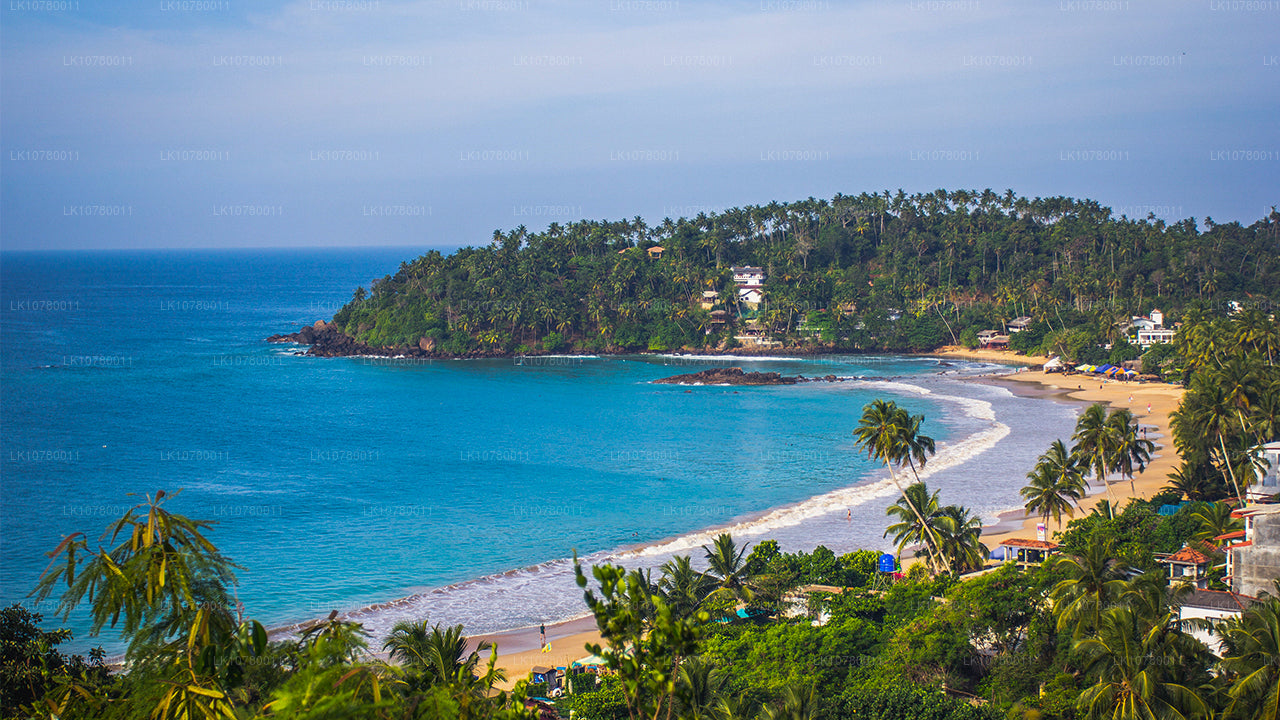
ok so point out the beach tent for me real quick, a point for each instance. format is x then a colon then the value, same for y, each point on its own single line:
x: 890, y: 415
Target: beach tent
x: 1053, y: 364
x: 590, y: 661
x: 1085, y: 368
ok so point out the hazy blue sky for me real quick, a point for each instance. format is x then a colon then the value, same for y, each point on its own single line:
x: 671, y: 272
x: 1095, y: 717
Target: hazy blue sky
x: 221, y: 123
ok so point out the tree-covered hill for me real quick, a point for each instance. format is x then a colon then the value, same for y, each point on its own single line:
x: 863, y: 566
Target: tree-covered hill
x: 871, y: 272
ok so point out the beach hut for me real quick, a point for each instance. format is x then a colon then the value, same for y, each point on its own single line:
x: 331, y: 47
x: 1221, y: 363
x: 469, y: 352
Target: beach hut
x: 1054, y: 364
x: 1026, y: 552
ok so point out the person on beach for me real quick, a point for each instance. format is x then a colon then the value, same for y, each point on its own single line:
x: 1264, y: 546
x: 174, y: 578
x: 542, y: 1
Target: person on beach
x: 1148, y: 408
x: 849, y: 517
x: 542, y: 634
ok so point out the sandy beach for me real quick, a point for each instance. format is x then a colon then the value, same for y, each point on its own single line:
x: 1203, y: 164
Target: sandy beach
x: 1151, y: 403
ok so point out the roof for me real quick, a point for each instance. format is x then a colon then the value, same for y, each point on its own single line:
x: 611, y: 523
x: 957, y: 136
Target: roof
x: 1245, y: 544
x: 1230, y: 535
x: 1187, y: 556
x: 1217, y: 599
x: 541, y: 670
x: 1025, y: 543
x: 1252, y: 510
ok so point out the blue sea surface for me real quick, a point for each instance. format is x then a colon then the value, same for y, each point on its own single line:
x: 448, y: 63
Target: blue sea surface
x: 461, y: 485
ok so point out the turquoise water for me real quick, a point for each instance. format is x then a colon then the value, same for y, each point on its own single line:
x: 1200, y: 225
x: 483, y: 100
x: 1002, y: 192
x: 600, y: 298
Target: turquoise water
x: 339, y: 483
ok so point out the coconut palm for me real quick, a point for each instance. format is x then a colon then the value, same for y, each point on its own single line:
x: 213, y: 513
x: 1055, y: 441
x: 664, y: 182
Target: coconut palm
x: 1133, y: 676
x: 1252, y: 661
x: 1095, y: 446
x: 962, y: 545
x: 1192, y: 479
x: 728, y: 570
x: 1092, y: 581
x: 916, y: 446
x: 1213, y: 520
x: 880, y: 433
x: 699, y: 690
x: 1056, y: 486
x: 796, y: 703
x: 1205, y: 414
x: 919, y: 518
x: 1130, y: 451
x: 683, y: 588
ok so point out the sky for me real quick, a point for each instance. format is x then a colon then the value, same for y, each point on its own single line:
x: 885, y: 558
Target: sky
x: 224, y: 123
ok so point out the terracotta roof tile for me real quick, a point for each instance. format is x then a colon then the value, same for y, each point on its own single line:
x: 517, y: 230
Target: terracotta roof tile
x: 1033, y: 544
x: 1187, y: 556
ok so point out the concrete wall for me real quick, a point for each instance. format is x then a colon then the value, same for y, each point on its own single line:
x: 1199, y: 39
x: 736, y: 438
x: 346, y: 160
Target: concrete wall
x: 1257, y: 567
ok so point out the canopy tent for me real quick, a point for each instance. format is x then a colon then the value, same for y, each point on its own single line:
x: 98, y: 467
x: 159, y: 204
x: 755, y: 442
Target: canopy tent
x: 1053, y: 363
x: 1086, y: 368
x: 590, y: 661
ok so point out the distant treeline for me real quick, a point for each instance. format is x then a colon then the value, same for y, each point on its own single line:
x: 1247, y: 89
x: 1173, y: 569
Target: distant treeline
x: 872, y: 272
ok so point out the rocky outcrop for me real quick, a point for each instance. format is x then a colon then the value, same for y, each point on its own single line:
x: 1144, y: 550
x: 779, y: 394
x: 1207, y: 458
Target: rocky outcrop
x: 326, y: 340
x: 728, y: 376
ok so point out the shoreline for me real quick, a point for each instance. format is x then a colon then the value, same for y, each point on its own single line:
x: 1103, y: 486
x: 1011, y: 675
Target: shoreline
x: 1136, y: 397
x: 518, y: 648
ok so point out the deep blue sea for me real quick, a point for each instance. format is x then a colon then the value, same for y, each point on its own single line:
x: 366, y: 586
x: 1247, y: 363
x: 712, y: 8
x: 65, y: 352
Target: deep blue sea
x: 456, y: 488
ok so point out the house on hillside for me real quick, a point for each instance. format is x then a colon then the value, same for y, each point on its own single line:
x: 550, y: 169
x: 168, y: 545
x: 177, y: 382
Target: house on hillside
x: 1155, y: 336
x: 656, y: 251
x: 1187, y: 565
x: 1019, y: 324
x: 1211, y: 605
x: 750, y: 281
x: 709, y: 298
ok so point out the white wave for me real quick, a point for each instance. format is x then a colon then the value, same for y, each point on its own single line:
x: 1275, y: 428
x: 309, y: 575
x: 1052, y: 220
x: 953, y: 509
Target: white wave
x: 546, y: 592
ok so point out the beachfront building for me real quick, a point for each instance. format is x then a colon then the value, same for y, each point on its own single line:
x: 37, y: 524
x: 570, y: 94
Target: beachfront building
x: 1210, y: 605
x: 1253, y: 564
x: 1187, y: 565
x: 709, y: 299
x: 1027, y: 552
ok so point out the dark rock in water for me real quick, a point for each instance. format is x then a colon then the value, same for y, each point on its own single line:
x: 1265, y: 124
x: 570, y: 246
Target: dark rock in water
x: 735, y: 376
x: 326, y: 340
x: 728, y: 376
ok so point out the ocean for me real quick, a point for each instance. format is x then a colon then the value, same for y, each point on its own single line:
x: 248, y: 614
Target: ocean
x: 451, y: 490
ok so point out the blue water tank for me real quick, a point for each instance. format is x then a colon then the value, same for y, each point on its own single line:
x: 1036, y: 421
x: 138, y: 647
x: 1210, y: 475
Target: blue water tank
x: 887, y: 563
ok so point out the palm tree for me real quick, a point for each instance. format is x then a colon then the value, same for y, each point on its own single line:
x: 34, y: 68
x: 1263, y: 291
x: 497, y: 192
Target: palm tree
x: 1130, y: 661
x: 918, y: 517
x: 881, y: 435
x: 407, y: 643
x: 1094, y: 445
x: 1214, y: 520
x: 1092, y: 581
x: 700, y: 688
x: 683, y: 588
x: 916, y: 446
x: 1130, y: 451
x: 1056, y: 484
x: 796, y: 703
x: 962, y: 545
x: 1252, y: 661
x: 728, y: 569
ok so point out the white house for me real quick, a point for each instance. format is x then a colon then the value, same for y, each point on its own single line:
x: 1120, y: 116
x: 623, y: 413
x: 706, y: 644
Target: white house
x: 750, y: 282
x: 748, y: 275
x: 1157, y: 317
x: 1155, y: 336
x: 1019, y: 324
x: 1211, y: 605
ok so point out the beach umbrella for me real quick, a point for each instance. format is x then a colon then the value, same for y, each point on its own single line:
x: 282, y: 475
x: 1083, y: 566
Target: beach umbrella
x: 1084, y: 368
